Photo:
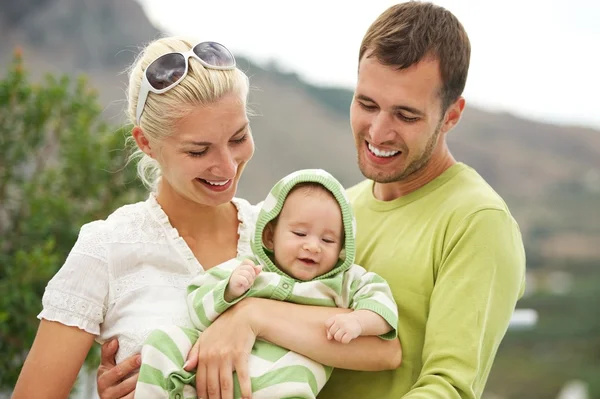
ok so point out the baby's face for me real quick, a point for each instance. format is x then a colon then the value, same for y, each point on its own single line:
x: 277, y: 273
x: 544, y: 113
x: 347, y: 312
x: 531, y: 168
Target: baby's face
x: 309, y: 234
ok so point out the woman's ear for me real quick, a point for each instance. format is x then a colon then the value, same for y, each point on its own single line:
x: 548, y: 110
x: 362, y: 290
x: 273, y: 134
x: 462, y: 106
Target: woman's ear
x: 142, y: 141
x: 268, y: 235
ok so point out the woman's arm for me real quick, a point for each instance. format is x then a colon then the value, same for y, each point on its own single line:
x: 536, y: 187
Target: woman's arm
x: 302, y: 329
x: 52, y: 365
x: 225, y: 346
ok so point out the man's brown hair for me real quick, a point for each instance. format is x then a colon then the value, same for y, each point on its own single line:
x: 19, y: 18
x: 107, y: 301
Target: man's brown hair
x: 408, y: 32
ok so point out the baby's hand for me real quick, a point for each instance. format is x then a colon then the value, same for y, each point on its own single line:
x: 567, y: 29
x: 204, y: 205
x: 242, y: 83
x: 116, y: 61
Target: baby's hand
x: 242, y: 278
x: 343, y: 327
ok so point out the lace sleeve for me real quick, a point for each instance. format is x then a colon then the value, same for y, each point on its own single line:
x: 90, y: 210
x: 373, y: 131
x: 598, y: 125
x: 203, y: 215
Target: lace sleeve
x: 76, y: 295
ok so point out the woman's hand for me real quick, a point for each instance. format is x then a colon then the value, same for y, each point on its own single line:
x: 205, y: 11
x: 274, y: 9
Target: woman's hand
x: 222, y: 349
x: 115, y: 380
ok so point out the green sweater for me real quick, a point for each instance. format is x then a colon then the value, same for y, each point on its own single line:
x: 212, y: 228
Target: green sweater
x: 454, y: 258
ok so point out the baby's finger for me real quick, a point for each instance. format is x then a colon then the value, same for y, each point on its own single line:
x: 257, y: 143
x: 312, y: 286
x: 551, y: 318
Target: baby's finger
x: 330, y: 322
x: 247, y: 276
x: 257, y: 269
x: 339, y: 334
x: 247, y: 262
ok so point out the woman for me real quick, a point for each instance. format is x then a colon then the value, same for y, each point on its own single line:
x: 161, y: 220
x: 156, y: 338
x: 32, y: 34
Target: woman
x: 127, y: 275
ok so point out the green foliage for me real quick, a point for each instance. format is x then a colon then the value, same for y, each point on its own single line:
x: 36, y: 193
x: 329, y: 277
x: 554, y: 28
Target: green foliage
x: 60, y: 167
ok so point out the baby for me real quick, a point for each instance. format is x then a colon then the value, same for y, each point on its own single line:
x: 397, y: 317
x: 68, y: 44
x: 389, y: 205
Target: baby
x: 303, y: 250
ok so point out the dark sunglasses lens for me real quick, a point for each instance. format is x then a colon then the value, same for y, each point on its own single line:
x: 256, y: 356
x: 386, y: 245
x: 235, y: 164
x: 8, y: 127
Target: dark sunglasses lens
x: 214, y: 54
x: 166, y: 70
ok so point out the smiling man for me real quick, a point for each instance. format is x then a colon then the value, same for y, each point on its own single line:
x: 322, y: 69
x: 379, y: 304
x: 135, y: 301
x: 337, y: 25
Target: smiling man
x: 431, y: 226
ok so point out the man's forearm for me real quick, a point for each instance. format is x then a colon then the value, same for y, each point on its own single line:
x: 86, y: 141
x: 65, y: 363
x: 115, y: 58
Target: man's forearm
x: 301, y: 328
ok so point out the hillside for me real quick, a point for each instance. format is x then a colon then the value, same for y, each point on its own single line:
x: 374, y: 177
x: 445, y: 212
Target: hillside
x: 550, y: 175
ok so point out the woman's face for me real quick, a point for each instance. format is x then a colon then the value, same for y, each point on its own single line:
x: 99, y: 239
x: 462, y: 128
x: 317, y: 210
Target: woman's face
x: 206, y: 154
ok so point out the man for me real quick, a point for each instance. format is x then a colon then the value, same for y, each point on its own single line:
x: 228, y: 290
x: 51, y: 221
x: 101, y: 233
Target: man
x: 443, y: 239
x: 432, y: 227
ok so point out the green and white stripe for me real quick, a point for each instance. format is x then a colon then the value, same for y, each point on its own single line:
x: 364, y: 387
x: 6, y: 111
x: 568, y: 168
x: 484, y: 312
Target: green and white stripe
x: 275, y: 371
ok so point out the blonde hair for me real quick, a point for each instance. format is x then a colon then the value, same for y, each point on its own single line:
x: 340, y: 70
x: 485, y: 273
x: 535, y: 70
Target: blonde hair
x: 201, y: 86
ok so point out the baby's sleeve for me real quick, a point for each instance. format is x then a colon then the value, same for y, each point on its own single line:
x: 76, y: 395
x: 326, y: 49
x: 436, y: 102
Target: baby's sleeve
x: 77, y: 294
x: 369, y: 291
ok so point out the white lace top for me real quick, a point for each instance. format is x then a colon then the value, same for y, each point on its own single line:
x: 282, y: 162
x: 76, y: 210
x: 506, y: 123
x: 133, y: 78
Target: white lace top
x: 127, y: 275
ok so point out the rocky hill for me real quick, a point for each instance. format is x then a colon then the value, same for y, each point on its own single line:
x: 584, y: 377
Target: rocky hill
x: 549, y: 175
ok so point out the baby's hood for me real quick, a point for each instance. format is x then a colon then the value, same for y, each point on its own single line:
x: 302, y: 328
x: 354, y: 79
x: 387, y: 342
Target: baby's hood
x: 273, y: 204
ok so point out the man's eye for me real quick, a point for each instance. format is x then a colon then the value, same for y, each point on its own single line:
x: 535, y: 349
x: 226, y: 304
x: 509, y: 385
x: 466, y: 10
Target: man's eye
x: 368, y: 107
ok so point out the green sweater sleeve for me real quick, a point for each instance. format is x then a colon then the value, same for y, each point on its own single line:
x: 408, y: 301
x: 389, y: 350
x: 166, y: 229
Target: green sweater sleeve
x: 479, y: 280
x: 206, y: 294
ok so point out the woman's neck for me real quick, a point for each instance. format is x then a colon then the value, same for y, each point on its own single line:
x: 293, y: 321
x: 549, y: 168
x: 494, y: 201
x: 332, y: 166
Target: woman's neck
x: 191, y: 218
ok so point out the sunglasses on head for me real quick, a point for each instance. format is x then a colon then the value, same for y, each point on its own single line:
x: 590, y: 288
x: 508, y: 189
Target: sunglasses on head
x: 169, y: 69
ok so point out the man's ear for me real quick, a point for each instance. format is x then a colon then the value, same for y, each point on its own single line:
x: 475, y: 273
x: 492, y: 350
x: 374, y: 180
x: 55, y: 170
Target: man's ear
x: 453, y: 114
x: 142, y: 141
x: 267, y: 236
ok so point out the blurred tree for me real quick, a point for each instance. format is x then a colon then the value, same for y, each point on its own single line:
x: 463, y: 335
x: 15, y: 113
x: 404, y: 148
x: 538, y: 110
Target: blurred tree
x: 60, y: 166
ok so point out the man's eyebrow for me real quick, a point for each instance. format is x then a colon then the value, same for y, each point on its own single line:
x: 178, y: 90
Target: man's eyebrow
x: 206, y: 143
x: 395, y: 108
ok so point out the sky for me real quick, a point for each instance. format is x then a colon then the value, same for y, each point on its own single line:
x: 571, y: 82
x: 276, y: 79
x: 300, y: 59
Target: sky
x: 532, y: 58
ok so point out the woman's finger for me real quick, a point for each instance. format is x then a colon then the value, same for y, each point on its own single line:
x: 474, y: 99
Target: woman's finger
x: 213, y: 382
x: 201, y: 381
x: 192, y: 357
x: 226, y: 380
x: 243, y: 375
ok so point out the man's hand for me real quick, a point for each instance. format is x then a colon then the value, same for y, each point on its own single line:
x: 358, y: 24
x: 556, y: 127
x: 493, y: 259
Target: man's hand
x: 222, y: 349
x: 343, y: 327
x: 114, y: 380
x: 241, y: 279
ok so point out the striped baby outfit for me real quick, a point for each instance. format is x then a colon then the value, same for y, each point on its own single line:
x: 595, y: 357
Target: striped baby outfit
x: 275, y: 372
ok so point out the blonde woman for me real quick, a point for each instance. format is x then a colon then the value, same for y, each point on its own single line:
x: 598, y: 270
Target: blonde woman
x: 127, y: 275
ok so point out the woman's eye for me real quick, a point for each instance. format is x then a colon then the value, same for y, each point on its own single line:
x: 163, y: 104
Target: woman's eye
x: 196, y: 153
x: 240, y: 140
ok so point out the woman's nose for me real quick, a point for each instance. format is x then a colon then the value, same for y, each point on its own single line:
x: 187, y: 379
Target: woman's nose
x: 225, y: 165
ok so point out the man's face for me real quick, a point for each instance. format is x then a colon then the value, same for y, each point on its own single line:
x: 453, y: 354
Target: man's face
x: 396, y: 119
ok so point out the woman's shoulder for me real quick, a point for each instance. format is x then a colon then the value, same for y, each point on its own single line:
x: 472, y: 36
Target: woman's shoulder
x: 126, y: 222
x: 247, y: 215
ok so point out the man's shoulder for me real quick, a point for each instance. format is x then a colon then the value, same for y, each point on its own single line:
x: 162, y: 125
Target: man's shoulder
x: 355, y: 191
x: 468, y: 192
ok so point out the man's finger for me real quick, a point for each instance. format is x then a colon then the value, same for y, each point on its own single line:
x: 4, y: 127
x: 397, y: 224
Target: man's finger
x: 120, y: 371
x: 126, y: 388
x: 130, y: 395
x: 108, y: 352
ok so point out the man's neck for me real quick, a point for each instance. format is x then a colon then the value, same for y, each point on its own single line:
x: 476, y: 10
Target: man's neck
x: 433, y: 169
x: 189, y: 217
